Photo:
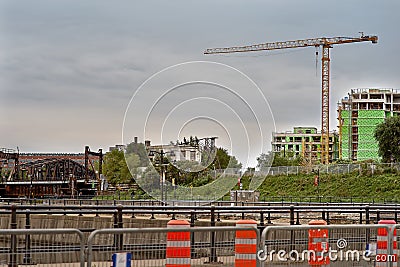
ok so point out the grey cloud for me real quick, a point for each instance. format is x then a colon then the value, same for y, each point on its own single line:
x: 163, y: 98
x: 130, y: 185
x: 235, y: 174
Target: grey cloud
x: 68, y: 69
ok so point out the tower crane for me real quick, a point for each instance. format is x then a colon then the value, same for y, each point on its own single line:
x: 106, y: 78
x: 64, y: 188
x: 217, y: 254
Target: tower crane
x: 326, y: 44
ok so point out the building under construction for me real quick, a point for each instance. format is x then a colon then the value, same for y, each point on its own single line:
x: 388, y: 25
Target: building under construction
x: 359, y: 113
x: 304, y: 142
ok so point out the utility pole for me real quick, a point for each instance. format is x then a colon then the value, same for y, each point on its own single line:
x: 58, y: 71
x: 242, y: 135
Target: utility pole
x: 162, y: 175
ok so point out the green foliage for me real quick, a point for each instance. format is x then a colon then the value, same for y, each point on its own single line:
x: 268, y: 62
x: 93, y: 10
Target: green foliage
x: 151, y: 178
x: 264, y: 161
x: 120, y: 168
x: 191, y: 173
x: 116, y: 169
x: 186, y: 173
x: 278, y: 159
x: 249, y: 172
x: 133, y: 162
x: 367, y: 187
x: 4, y: 173
x: 223, y: 160
x: 344, y: 161
x: 140, y: 150
x: 189, y: 166
x: 388, y: 136
x: 203, y: 180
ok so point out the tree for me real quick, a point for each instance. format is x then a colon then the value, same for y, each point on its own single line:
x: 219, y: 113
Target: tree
x: 264, y: 161
x: 140, y: 150
x: 388, y: 136
x: 193, y: 173
x: 133, y: 162
x: 223, y: 160
x: 278, y: 159
x: 116, y: 169
x: 150, y: 179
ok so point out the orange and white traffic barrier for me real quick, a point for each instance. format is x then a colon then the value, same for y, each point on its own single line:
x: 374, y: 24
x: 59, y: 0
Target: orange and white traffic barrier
x: 246, y: 245
x: 382, y: 245
x: 178, y: 245
x: 318, y: 241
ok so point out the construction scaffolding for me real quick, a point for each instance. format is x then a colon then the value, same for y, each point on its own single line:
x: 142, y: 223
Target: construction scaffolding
x: 304, y: 142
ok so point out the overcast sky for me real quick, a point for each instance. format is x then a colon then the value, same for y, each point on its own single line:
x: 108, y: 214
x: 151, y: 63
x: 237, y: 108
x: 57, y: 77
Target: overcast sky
x: 68, y: 69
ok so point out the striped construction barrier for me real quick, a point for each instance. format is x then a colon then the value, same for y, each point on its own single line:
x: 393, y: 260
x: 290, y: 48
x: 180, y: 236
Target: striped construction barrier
x: 382, y: 245
x: 318, y: 241
x: 246, y: 245
x: 178, y: 245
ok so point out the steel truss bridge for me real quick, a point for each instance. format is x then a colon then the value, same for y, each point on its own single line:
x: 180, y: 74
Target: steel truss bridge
x: 49, y: 177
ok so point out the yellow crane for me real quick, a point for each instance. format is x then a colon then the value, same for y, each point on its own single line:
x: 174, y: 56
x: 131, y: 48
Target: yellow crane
x: 326, y: 44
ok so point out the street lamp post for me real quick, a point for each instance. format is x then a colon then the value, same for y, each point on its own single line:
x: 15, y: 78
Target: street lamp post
x: 3, y: 163
x: 30, y: 178
x: 162, y: 177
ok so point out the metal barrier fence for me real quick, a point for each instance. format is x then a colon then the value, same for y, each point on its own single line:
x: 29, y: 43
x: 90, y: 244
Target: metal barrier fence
x: 217, y: 247
x: 347, y: 245
x: 372, y: 168
x: 224, y: 201
x: 42, y: 247
x: 209, y: 246
x: 366, y: 168
x: 98, y: 217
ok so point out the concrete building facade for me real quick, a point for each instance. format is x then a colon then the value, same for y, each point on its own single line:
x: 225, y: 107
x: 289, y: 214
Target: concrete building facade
x: 178, y: 152
x: 305, y: 142
x: 359, y: 113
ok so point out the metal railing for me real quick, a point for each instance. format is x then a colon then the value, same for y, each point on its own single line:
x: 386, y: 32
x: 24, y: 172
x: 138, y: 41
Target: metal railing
x: 363, y: 168
x: 348, y: 245
x: 224, y: 201
x: 266, y: 214
x: 217, y: 245
x: 43, y: 247
x: 351, y: 245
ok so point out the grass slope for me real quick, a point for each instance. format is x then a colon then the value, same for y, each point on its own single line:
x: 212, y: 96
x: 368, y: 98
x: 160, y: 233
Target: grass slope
x: 377, y: 187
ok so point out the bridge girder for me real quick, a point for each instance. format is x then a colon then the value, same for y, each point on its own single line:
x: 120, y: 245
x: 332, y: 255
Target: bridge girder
x: 52, y: 169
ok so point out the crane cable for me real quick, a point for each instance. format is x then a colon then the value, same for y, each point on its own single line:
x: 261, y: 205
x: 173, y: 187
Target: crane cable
x: 316, y: 61
x: 261, y: 55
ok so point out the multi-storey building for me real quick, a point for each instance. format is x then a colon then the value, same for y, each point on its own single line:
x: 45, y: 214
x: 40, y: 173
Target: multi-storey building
x: 305, y: 142
x: 117, y: 147
x: 178, y: 152
x: 359, y: 113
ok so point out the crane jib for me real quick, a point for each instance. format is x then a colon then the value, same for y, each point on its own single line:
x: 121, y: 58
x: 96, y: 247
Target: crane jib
x: 292, y: 44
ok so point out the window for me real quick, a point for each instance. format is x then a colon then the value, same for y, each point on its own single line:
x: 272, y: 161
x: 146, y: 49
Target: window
x: 183, y: 155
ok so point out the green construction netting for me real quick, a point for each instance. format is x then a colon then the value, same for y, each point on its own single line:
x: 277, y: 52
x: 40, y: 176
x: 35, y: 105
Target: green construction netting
x: 367, y: 154
x: 366, y: 130
x: 369, y: 121
x: 371, y: 114
x: 368, y: 146
x: 345, y: 114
